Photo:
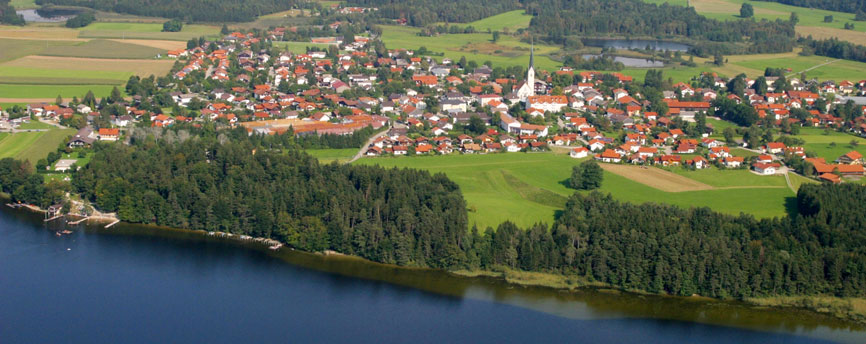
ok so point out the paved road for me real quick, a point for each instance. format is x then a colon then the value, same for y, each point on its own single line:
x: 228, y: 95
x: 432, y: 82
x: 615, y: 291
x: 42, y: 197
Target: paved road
x: 363, y: 149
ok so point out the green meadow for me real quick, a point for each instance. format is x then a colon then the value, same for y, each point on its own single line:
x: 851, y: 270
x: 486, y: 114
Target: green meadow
x: 145, y: 31
x: 478, y: 47
x: 106, y: 49
x: 326, y: 156
x: 11, y: 49
x: 830, y: 145
x: 33, y: 146
x: 526, y: 188
x: 510, y: 21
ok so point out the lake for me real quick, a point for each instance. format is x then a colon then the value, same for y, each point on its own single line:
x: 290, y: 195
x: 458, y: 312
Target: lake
x: 630, y: 61
x: 636, y: 44
x: 46, y: 15
x: 143, y: 285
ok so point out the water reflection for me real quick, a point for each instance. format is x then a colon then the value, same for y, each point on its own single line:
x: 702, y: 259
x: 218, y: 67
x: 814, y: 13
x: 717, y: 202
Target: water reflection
x: 207, y: 280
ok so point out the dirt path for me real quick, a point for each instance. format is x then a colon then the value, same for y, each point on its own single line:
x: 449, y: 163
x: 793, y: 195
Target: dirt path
x: 656, y: 178
x: 812, y: 68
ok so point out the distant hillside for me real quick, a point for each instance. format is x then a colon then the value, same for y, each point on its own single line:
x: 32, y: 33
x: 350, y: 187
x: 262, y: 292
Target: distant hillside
x: 190, y: 10
x: 850, y: 6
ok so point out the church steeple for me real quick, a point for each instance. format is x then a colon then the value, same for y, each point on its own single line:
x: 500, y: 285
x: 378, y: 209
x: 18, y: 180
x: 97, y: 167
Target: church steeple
x: 532, y: 56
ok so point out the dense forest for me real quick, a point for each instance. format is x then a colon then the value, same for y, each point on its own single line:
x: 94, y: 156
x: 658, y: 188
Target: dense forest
x: 252, y: 185
x: 8, y: 15
x: 834, y: 48
x: 264, y: 186
x: 850, y: 6
x: 426, y: 12
x: 560, y: 19
x: 187, y: 10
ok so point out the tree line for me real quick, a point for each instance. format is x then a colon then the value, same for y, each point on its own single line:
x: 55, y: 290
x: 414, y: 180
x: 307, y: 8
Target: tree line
x: 8, y: 14
x: 425, y: 12
x: 187, y: 10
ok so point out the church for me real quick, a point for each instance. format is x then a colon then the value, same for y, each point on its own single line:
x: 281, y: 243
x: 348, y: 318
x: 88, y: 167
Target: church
x: 530, y: 87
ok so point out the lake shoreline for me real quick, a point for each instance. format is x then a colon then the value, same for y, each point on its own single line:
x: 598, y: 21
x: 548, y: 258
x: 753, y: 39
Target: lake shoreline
x: 850, y: 310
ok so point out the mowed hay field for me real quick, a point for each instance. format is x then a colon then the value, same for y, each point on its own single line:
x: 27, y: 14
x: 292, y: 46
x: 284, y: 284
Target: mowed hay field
x: 526, y: 188
x: 106, y: 49
x: 657, y: 178
x: 146, y: 31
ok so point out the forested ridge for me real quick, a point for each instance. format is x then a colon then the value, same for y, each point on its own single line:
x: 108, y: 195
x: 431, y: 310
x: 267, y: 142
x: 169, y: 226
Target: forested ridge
x: 426, y: 12
x: 188, y: 10
x: 265, y: 186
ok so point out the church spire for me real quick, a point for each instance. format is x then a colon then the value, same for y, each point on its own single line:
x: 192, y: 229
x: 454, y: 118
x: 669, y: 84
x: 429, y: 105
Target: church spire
x: 532, y: 55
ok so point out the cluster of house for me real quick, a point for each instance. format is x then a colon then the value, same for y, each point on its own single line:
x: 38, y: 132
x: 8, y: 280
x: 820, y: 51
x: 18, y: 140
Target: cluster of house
x: 85, y: 137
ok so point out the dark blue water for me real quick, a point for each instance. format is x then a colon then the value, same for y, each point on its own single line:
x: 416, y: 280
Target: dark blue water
x: 108, y: 288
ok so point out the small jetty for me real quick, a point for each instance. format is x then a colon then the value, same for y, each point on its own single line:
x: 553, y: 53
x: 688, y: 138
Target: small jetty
x: 112, y: 224
x: 79, y: 221
x: 14, y: 205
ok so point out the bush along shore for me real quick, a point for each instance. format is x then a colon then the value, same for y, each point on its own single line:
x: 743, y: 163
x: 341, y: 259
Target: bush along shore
x: 229, y: 182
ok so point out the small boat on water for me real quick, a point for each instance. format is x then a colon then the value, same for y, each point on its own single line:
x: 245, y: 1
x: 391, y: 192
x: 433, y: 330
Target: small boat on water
x: 276, y: 246
x: 66, y: 231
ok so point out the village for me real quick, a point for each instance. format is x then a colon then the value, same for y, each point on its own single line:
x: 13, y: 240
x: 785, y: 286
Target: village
x: 420, y: 105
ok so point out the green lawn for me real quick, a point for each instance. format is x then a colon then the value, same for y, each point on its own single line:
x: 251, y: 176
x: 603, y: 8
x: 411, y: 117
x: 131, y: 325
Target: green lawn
x: 478, y: 47
x: 832, y: 145
x: 12, y: 145
x: 329, y: 155
x: 528, y: 188
x: 100, y: 48
x: 145, y: 31
x: 838, y: 70
x: 797, y: 180
x: 44, y: 144
x: 35, y: 125
x: 731, y: 178
x: 743, y: 152
x: 7, y: 71
x: 511, y: 21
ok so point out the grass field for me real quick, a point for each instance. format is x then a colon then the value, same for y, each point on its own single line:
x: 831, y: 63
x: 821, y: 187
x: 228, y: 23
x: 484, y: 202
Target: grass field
x: 529, y: 188
x: 657, y: 178
x: 35, y: 125
x: 731, y: 178
x: 510, y: 21
x: 11, y: 49
x: 101, y: 48
x: 147, y: 31
x: 13, y: 144
x: 45, y: 143
x: 508, y: 51
x: 832, y: 145
x: 104, y: 68
x: 326, y: 156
